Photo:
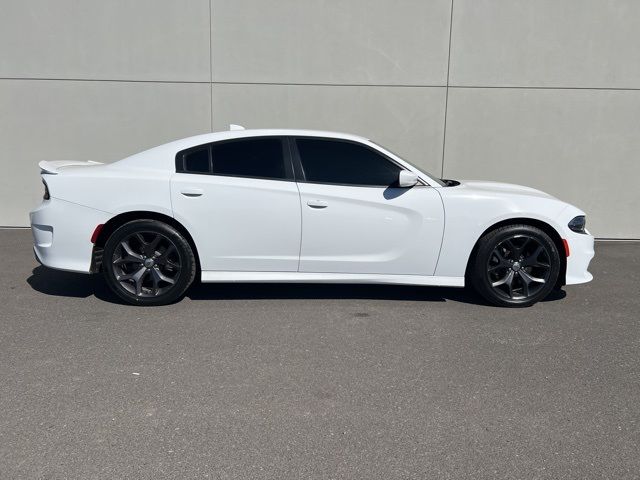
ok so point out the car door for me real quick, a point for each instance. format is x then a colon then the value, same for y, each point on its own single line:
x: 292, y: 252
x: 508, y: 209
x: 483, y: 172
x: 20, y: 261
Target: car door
x: 240, y: 204
x: 355, y: 219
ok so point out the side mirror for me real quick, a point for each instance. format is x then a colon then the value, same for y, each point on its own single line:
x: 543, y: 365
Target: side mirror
x: 407, y: 179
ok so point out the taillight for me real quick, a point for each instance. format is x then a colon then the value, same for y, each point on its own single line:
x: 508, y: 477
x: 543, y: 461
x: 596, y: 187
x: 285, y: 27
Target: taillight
x: 96, y: 233
x: 46, y: 195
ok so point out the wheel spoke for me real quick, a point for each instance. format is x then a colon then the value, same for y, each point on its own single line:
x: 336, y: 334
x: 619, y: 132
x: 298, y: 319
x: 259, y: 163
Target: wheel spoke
x: 506, y: 280
x: 502, y: 262
x: 155, y: 280
x: 511, y: 276
x: 532, y: 260
x: 163, y: 277
x: 524, y: 245
x: 498, y: 254
x: 139, y: 277
x: 528, y: 278
x: 525, y: 284
x: 512, y: 248
x: 154, y: 243
x: 140, y: 238
x: 127, y: 259
x: 130, y: 253
x: 537, y: 253
x: 131, y: 276
x: 163, y: 258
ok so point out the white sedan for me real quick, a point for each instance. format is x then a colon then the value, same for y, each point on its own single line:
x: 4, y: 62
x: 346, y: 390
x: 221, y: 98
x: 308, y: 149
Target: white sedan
x: 300, y: 206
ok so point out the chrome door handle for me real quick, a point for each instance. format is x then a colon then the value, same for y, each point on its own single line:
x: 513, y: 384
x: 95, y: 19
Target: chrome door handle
x: 317, y: 204
x: 191, y: 192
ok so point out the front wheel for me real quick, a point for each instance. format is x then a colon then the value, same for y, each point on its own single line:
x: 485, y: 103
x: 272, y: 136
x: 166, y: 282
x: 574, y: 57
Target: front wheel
x: 147, y: 262
x: 515, y: 266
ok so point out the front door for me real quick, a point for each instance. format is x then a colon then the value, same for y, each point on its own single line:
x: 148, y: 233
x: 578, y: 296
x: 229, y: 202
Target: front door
x: 356, y: 221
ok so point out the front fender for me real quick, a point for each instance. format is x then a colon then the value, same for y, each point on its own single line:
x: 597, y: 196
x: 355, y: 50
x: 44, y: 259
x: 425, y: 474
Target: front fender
x: 468, y: 216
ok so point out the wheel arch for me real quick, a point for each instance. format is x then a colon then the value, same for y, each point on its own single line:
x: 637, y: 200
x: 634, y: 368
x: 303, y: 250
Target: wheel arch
x: 117, y: 221
x: 544, y: 226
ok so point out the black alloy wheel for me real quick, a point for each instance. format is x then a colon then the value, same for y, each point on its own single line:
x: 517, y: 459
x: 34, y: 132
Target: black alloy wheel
x: 516, y: 266
x: 147, y: 262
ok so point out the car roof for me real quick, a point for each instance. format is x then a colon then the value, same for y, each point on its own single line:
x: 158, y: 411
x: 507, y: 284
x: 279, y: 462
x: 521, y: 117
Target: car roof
x: 158, y: 157
x: 232, y: 134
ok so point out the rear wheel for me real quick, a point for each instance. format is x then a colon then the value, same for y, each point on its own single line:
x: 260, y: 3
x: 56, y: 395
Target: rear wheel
x: 515, y: 266
x: 147, y: 262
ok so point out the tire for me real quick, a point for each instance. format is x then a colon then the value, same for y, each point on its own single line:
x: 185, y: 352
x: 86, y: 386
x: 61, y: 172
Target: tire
x: 147, y: 262
x: 515, y: 266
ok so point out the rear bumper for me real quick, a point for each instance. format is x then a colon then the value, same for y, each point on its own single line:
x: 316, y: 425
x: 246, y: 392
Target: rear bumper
x: 62, y: 234
x: 580, y: 254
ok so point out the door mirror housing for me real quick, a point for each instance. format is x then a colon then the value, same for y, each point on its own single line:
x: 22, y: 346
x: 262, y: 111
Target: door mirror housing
x: 407, y: 179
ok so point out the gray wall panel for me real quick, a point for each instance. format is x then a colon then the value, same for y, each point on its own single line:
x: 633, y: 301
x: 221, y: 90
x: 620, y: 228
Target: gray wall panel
x: 579, y: 145
x: 557, y: 43
x: 407, y: 120
x: 355, y: 42
x: 373, y: 67
x: 112, y: 40
x: 102, y: 121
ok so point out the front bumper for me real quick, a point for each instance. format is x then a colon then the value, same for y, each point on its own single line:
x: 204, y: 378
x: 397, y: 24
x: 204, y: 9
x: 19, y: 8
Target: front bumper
x: 62, y: 234
x: 580, y: 254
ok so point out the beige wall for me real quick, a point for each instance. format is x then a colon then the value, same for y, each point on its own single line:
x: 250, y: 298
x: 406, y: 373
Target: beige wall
x: 542, y: 93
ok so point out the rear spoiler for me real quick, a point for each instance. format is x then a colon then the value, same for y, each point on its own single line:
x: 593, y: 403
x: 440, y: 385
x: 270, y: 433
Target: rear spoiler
x: 52, y: 167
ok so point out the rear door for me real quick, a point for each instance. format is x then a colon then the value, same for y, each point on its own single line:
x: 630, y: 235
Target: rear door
x: 240, y: 203
x: 355, y: 219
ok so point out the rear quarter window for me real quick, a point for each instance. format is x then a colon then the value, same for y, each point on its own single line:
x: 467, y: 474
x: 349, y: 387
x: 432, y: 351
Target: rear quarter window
x: 197, y: 161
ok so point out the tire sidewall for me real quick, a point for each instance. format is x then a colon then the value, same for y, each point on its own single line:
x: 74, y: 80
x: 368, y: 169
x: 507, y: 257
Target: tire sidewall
x: 487, y: 243
x: 185, y: 252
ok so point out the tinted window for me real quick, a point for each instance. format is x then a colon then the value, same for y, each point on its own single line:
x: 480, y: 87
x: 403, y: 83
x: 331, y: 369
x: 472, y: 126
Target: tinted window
x: 197, y: 161
x: 329, y: 161
x: 260, y: 157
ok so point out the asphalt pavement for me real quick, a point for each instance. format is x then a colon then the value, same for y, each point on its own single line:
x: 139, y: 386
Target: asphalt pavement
x: 317, y: 381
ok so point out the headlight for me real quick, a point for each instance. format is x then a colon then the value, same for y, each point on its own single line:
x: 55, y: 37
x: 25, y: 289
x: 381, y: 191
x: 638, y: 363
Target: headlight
x: 46, y: 195
x: 578, y: 224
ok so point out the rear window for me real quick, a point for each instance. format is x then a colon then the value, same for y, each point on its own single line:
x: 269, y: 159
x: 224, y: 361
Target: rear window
x: 254, y: 158
x: 259, y: 158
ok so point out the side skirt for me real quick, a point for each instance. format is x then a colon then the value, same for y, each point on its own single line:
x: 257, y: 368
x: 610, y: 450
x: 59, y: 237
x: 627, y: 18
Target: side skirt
x: 304, y: 277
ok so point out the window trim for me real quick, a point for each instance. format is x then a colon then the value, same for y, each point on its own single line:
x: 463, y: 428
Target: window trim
x: 301, y: 176
x: 284, y: 145
x: 181, y: 161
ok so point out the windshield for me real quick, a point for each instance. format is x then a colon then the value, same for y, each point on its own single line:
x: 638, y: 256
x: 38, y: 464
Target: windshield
x: 435, y: 179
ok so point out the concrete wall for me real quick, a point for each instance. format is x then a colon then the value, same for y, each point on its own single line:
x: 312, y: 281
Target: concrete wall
x: 543, y: 93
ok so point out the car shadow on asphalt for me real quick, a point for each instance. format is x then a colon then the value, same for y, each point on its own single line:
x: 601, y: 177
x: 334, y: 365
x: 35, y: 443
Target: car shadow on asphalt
x: 67, y: 284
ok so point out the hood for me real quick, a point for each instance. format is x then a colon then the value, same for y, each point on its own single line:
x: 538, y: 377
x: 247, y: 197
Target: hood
x: 502, y: 188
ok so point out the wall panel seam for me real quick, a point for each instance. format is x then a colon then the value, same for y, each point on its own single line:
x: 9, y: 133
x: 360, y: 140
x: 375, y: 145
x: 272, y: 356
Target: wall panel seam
x: 383, y: 85
x: 535, y: 87
x: 205, y: 82
x: 211, y: 63
x: 446, y: 97
x: 105, y: 80
x: 330, y: 84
